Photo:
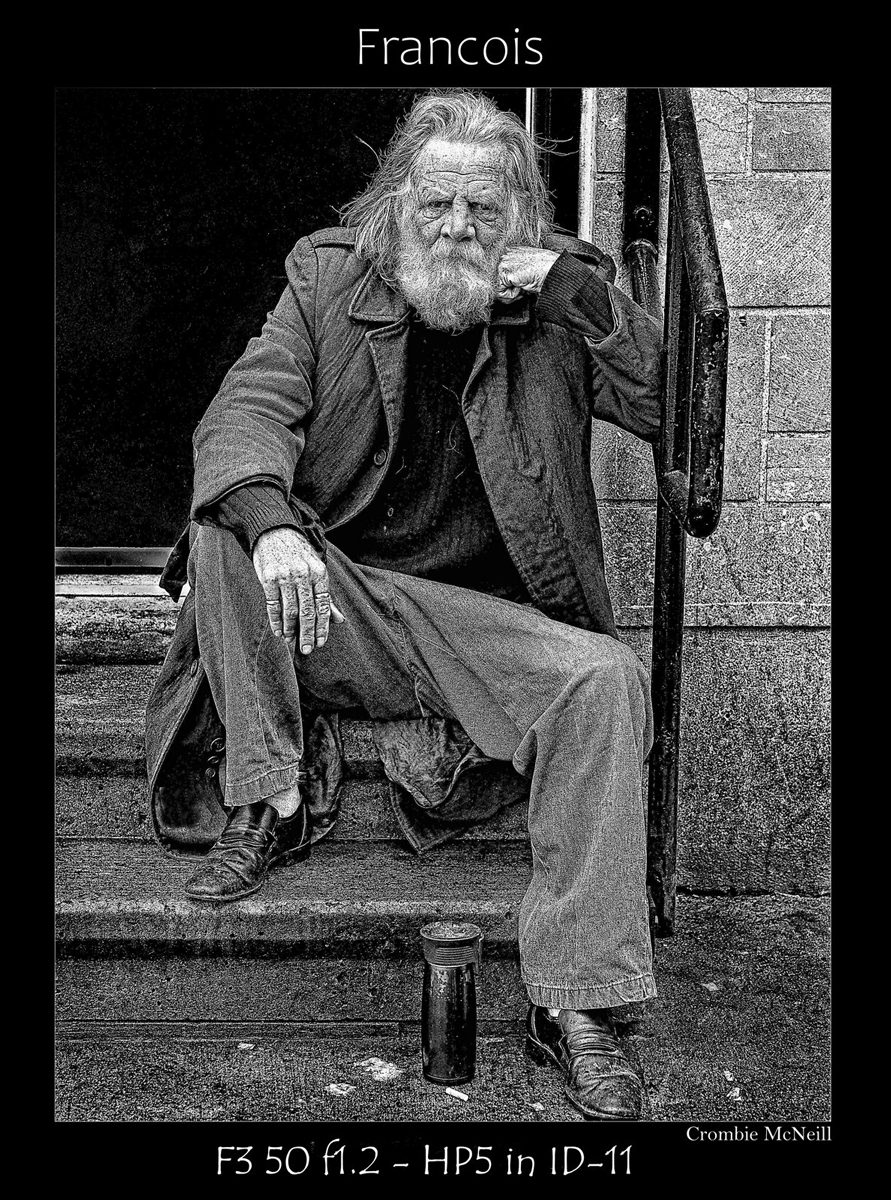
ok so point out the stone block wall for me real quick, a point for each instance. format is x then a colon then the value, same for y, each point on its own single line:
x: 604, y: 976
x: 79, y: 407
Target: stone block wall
x: 758, y: 589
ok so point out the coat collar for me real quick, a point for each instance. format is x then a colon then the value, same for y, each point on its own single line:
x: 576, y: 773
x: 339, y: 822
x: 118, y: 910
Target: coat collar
x: 376, y: 301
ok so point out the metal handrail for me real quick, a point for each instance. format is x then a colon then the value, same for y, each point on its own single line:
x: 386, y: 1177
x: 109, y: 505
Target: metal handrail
x: 691, y: 469
x: 689, y: 457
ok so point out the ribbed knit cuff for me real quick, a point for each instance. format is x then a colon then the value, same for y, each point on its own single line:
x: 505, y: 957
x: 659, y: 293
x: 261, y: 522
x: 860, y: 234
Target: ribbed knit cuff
x: 572, y: 295
x: 253, y: 510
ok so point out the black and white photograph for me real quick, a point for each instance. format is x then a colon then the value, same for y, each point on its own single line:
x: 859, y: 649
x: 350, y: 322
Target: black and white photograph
x: 442, y: 612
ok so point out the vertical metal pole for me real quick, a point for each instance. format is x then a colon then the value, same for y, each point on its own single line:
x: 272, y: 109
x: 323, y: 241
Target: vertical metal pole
x: 587, y: 186
x: 643, y: 127
x: 668, y: 636
x: 538, y: 122
x: 668, y: 598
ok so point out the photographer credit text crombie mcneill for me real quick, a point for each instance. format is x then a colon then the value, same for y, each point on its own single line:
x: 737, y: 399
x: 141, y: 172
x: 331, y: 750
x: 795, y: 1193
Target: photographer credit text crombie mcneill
x: 760, y: 1133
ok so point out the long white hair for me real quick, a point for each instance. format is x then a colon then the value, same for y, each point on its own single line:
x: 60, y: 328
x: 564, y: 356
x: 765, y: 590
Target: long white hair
x: 455, y: 116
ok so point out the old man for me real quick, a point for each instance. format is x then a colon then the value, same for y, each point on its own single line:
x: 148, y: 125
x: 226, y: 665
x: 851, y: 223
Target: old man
x: 393, y: 513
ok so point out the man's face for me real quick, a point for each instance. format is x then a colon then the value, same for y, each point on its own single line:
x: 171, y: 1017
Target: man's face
x: 453, y: 231
x: 460, y: 197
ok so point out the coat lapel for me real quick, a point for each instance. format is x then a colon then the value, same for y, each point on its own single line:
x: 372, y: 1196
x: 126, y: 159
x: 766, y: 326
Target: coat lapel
x: 389, y: 350
x: 377, y: 304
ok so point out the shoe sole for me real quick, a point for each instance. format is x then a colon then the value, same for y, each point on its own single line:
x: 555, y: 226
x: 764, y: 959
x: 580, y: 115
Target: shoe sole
x: 225, y: 899
x: 297, y: 854
x: 543, y: 1055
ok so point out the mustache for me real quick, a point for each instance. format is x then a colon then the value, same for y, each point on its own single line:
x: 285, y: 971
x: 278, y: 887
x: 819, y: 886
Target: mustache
x: 468, y: 251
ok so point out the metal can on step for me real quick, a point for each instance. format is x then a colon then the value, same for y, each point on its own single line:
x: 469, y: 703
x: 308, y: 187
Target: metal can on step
x: 448, y: 1008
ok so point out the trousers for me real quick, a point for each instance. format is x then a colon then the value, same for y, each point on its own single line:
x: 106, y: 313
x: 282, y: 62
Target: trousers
x: 570, y: 709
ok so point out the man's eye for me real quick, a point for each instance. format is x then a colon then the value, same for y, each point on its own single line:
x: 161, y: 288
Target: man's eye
x: 437, y: 204
x: 485, y: 210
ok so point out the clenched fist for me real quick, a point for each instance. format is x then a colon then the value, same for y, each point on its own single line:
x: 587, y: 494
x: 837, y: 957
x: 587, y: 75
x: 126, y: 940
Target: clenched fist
x: 523, y: 269
x: 295, y: 583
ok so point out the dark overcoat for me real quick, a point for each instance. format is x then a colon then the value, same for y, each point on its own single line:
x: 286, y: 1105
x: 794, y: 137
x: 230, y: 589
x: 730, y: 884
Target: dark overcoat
x: 315, y: 406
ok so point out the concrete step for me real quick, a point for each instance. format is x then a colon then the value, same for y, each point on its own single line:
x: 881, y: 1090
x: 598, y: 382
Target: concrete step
x: 333, y: 938
x: 100, y: 720
x: 112, y: 807
x: 112, y: 618
x: 132, y: 947
x: 170, y: 1012
x: 754, y: 802
x: 100, y: 764
x: 115, y: 895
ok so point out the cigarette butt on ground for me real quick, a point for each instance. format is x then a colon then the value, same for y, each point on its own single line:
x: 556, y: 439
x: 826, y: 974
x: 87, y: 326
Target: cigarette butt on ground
x: 454, y: 1092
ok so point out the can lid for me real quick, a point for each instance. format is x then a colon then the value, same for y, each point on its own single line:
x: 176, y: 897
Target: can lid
x: 451, y: 943
x: 451, y: 933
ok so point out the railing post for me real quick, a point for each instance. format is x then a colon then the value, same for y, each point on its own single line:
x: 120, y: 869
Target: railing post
x: 671, y: 454
x: 643, y: 129
x: 689, y: 456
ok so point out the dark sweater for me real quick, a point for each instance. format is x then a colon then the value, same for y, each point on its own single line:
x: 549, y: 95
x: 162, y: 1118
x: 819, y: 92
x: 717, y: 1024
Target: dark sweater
x: 431, y: 517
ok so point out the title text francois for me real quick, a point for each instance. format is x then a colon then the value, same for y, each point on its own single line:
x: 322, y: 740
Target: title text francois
x: 516, y: 50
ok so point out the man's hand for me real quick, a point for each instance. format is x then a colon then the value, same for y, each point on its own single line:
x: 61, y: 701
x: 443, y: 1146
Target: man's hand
x: 295, y: 582
x: 523, y: 269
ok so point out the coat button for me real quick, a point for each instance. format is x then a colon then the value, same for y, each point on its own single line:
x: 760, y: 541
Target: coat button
x: 380, y: 457
x: 210, y: 772
x: 193, y: 669
x: 217, y: 745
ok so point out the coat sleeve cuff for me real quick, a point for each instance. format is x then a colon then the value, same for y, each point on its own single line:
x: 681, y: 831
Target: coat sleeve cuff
x: 573, y: 296
x: 254, y: 508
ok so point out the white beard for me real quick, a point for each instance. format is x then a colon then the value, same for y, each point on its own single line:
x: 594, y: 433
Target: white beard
x: 452, y: 285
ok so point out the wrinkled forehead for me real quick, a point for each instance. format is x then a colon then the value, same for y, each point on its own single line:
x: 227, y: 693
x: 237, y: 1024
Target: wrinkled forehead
x: 459, y: 165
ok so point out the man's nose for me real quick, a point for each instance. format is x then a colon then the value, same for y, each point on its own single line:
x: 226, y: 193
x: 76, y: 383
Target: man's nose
x: 459, y: 226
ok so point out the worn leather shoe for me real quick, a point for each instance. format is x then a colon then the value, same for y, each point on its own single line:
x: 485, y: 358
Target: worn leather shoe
x: 600, y: 1081
x: 255, y: 839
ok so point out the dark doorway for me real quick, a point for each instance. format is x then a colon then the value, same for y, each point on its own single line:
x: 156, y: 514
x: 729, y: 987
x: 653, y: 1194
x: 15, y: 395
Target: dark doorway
x: 176, y: 208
